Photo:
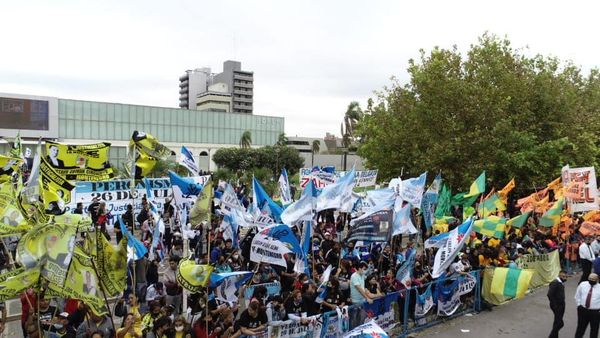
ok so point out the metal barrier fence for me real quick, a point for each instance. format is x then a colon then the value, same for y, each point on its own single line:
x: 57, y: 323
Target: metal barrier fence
x: 399, y: 313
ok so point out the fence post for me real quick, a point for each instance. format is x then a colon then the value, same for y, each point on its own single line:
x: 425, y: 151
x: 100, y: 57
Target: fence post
x: 406, y: 307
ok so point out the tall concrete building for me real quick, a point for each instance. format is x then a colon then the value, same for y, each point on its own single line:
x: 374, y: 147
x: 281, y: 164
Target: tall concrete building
x: 194, y: 86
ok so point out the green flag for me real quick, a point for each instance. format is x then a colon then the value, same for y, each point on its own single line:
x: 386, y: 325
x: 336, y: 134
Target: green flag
x: 462, y: 199
x: 477, y: 187
x: 491, y: 205
x: 552, y: 216
x: 518, y: 221
x: 443, y: 206
x: 492, y: 226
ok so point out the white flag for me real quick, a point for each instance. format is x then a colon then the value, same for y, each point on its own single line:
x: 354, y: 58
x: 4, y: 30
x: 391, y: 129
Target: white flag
x: 187, y: 160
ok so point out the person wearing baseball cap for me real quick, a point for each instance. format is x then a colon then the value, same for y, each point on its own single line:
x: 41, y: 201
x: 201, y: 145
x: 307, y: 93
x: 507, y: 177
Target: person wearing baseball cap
x: 61, y: 326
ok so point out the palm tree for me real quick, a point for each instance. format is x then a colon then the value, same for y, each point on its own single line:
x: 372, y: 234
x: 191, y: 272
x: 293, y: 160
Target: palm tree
x: 246, y: 139
x: 351, y: 117
x: 316, y: 147
x: 282, y: 140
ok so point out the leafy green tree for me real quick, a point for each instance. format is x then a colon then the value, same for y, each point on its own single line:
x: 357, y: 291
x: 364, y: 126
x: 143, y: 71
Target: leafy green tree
x: 273, y: 158
x: 492, y: 109
x: 282, y: 140
x: 246, y: 139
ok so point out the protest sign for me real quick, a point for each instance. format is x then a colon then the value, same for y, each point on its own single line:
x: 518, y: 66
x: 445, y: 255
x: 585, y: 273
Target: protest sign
x: 449, y: 306
x: 321, y: 179
x: 373, y: 227
x: 587, y: 199
x: 81, y: 162
x: 466, y: 284
x: 545, y: 266
x: 272, y: 289
x: 117, y: 194
x: 590, y: 228
x: 382, y: 310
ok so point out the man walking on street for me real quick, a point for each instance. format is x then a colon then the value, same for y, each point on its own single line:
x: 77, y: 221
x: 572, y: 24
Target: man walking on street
x: 587, y: 298
x: 556, y: 296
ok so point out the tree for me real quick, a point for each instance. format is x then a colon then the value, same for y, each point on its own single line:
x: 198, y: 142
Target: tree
x: 273, y: 158
x: 493, y: 109
x: 246, y: 139
x: 282, y: 140
x: 351, y: 118
x: 316, y: 147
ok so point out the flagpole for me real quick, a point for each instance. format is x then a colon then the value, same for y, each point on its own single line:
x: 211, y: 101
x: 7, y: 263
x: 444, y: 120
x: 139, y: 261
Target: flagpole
x: 102, y: 287
x: 133, y: 191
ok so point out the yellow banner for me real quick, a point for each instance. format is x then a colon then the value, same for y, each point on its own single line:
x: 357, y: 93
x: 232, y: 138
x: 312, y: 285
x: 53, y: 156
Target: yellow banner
x: 55, y: 189
x: 8, y: 165
x: 12, y: 286
x: 193, y: 277
x: 546, y: 268
x: 110, y: 262
x: 83, y: 162
x: 11, y: 219
x: 82, y: 283
x: 50, y: 244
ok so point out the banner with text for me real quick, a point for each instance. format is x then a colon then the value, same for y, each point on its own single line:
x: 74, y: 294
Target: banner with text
x: 321, y: 179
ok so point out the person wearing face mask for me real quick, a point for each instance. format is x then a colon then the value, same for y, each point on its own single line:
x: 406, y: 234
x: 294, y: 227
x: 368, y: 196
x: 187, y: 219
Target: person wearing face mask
x: 181, y: 327
x: 556, y: 296
x: 359, y: 294
x: 587, y: 298
x: 61, y: 327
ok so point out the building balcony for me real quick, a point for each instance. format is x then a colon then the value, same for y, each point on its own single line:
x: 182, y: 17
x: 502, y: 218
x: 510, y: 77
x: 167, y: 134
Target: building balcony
x: 184, y: 77
x: 243, y: 77
x: 184, y: 83
x: 242, y: 99
x: 243, y: 108
x: 242, y: 92
x: 183, y: 90
x: 243, y: 85
x: 183, y: 96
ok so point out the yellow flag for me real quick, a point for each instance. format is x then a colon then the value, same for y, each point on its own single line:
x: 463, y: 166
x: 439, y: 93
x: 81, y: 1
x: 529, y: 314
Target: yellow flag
x: 191, y: 276
x: 55, y: 189
x: 201, y: 210
x: 81, y: 283
x: 11, y: 219
x: 83, y: 162
x: 12, y: 286
x: 147, y: 151
x: 49, y: 246
x: 8, y: 165
x: 507, y: 188
x: 110, y: 262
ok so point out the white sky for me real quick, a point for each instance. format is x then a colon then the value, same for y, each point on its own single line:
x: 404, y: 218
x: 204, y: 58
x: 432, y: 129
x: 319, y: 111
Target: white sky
x: 310, y: 58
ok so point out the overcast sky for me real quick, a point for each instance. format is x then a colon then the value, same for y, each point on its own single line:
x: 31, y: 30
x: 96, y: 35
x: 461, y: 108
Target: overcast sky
x: 309, y: 58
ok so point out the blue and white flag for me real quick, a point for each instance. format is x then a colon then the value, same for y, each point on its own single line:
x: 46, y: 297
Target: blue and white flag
x: 135, y: 249
x: 301, y: 265
x: 403, y: 224
x: 424, y: 302
x: 322, y: 290
x: 264, y: 203
x: 272, y: 244
x: 378, y: 199
x: 302, y: 209
x: 227, y: 284
x: 369, y: 329
x: 229, y: 200
x: 185, y: 189
x: 412, y: 190
x: 450, y: 247
x: 430, y: 201
x: 187, y: 160
x: 337, y: 195
x: 404, y: 273
x: 229, y: 227
x: 284, y: 188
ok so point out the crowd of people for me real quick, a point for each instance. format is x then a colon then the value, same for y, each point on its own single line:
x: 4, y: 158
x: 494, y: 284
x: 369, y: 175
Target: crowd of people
x: 361, y: 272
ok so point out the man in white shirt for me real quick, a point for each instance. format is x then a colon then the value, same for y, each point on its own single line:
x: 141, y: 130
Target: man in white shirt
x: 587, y: 298
x: 587, y: 257
x: 596, y: 245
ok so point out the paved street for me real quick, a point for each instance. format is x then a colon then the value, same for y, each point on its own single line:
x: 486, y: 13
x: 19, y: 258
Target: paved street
x: 528, y: 318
